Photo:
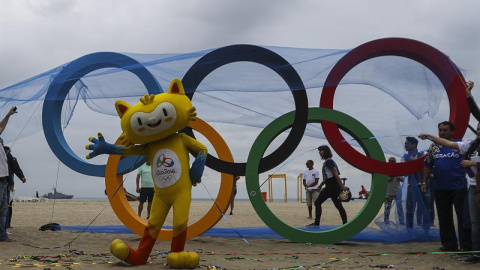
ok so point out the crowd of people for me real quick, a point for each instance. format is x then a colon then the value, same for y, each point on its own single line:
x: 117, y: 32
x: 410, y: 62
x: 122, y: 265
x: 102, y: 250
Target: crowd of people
x: 448, y: 181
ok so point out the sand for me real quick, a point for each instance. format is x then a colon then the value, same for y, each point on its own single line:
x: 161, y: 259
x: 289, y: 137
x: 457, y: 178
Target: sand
x: 32, y: 248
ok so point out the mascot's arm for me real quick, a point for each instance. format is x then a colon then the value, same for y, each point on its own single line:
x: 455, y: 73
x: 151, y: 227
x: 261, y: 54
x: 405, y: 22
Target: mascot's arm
x: 136, y: 150
x: 198, y: 165
x: 100, y: 146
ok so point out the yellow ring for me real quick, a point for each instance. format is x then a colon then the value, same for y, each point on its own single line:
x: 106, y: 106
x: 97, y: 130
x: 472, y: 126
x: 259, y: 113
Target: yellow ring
x: 129, y: 218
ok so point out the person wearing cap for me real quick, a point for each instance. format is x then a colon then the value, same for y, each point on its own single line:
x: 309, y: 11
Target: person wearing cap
x: 4, y: 179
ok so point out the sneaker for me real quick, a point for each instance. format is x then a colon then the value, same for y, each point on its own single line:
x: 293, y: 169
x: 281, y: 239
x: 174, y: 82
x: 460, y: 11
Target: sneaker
x: 472, y: 259
x: 313, y: 225
x: 309, y: 217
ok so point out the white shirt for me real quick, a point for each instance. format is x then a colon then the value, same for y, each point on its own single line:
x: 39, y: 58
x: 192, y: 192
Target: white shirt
x: 462, y: 148
x: 310, y: 176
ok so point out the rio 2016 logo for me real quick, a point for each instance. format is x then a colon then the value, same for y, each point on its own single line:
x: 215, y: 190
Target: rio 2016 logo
x: 164, y: 161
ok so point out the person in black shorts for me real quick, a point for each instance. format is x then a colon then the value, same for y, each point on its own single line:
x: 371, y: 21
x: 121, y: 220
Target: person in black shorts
x: 333, y: 186
x: 146, y: 190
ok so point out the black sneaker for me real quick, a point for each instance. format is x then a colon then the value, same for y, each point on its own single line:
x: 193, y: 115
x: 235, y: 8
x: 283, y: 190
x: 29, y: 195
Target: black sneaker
x: 472, y: 259
x: 313, y: 225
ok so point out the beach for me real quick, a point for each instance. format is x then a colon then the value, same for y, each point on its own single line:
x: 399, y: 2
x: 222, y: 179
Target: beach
x: 65, y: 249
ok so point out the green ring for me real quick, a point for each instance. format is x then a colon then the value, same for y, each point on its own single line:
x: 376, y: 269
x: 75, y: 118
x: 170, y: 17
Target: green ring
x: 355, y: 225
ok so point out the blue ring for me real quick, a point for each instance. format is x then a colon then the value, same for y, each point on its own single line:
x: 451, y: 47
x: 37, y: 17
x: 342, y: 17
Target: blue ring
x: 57, y: 92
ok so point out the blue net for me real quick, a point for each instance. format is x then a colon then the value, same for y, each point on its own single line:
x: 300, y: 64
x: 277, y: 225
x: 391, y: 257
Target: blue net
x: 411, y: 214
x: 391, y: 95
x: 367, y: 235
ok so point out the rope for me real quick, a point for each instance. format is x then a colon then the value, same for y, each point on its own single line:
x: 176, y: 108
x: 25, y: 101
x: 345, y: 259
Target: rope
x: 224, y: 217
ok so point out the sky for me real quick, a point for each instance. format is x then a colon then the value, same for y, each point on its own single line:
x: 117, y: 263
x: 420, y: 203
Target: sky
x: 38, y: 35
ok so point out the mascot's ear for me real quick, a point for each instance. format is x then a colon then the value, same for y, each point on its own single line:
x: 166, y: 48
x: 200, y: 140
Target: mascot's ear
x: 176, y: 87
x: 122, y: 107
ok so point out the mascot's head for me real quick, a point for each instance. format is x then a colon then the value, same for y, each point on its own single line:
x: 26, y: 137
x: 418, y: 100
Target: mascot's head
x: 155, y: 117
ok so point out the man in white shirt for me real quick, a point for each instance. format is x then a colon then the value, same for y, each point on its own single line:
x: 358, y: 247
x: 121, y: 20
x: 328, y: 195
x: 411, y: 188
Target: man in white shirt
x: 310, y: 182
x: 4, y: 179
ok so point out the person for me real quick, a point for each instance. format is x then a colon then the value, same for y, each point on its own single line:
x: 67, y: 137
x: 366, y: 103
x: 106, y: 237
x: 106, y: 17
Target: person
x: 333, y: 186
x: 450, y: 185
x: 394, y: 184
x: 473, y: 207
x: 4, y: 179
x: 471, y: 163
x: 146, y: 189
x: 232, y: 198
x: 363, y: 193
x: 311, y: 183
x: 416, y: 200
x: 13, y: 169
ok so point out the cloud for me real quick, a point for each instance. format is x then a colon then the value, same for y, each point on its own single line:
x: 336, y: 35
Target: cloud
x: 39, y: 35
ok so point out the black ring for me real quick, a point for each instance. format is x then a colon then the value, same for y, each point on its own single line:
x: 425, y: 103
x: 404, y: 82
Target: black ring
x: 268, y: 58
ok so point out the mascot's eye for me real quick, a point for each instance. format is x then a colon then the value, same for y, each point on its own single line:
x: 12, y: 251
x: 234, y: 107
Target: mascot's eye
x: 165, y: 112
x: 139, y: 121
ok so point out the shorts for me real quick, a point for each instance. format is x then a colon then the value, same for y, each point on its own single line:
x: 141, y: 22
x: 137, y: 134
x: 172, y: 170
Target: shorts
x: 312, y: 195
x: 146, y: 194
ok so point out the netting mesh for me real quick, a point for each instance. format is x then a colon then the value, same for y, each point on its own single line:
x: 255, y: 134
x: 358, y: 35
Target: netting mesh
x: 245, y: 93
x: 393, y: 96
x: 411, y: 215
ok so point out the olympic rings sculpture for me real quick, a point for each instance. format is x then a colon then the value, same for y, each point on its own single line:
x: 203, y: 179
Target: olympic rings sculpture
x: 373, y: 163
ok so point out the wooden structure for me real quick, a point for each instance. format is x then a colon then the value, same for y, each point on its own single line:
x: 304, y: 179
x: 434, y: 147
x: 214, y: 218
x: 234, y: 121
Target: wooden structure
x: 270, y: 185
x: 300, y: 188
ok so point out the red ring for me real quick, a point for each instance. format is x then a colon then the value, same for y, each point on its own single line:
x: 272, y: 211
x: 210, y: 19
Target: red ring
x: 433, y: 59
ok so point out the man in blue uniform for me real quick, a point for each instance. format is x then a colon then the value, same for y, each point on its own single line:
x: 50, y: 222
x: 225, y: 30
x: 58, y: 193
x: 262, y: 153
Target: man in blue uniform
x: 450, y: 189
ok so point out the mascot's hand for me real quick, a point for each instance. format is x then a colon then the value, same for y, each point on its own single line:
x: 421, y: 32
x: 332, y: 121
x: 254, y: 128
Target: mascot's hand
x: 198, y: 165
x: 99, y: 147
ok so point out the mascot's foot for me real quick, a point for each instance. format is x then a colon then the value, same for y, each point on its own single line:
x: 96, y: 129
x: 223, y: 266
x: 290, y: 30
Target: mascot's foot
x: 183, y: 259
x: 119, y: 249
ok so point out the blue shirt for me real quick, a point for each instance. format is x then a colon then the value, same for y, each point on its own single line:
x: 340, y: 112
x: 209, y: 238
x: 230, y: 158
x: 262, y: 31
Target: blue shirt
x: 327, y: 168
x: 447, y: 170
x: 416, y: 178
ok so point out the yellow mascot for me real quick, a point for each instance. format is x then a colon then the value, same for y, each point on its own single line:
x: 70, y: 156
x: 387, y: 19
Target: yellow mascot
x: 150, y: 128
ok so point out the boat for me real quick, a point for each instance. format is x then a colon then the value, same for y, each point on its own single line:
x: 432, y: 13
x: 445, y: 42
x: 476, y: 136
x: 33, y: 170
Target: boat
x: 57, y: 195
x: 131, y: 197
